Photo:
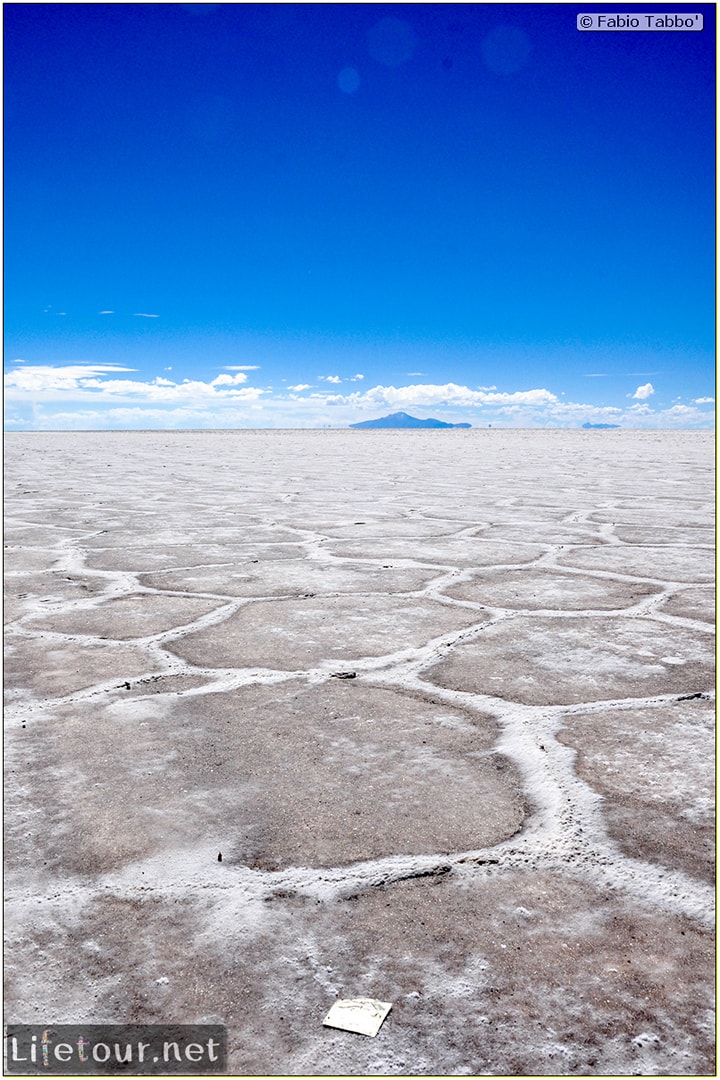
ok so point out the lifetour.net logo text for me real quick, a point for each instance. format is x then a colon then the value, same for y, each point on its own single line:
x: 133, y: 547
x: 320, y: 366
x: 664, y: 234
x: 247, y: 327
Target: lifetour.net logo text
x: 115, y: 1049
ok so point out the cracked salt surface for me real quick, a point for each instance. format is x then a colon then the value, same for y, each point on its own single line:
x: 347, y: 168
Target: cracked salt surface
x: 503, y: 823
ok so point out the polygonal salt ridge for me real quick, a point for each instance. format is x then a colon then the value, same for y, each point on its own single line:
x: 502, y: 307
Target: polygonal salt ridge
x: 664, y: 515
x: 151, y: 559
x: 696, y: 536
x: 652, y: 764
x: 447, y: 552
x: 543, y: 588
x: 565, y: 827
x: 140, y: 616
x: 193, y: 536
x: 388, y: 526
x: 293, y: 578
x: 535, y: 844
x: 694, y: 602
x: 663, y: 564
x: 573, y: 657
x: 603, y: 865
x: 304, y: 633
x: 649, y: 886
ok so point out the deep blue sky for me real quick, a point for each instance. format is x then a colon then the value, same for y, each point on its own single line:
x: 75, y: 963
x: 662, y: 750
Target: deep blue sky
x: 474, y: 211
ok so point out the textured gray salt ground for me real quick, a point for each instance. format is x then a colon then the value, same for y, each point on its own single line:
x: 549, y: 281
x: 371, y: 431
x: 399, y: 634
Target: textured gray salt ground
x: 502, y: 824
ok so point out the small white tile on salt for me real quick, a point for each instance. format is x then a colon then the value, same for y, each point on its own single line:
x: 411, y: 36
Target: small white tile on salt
x: 362, y: 1015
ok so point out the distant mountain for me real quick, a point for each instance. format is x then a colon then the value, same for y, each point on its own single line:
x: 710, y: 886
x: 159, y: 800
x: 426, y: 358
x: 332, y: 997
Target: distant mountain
x: 402, y: 420
x: 589, y: 425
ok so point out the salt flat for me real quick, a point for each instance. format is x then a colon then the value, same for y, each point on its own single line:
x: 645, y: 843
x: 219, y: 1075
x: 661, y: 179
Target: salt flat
x: 443, y: 700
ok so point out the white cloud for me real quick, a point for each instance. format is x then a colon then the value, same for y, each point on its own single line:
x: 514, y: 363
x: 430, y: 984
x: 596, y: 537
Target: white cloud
x: 107, y: 396
x: 106, y: 312
x: 78, y: 382
x: 330, y: 378
x: 143, y: 315
x: 355, y: 378
x: 643, y: 392
x: 678, y: 416
x: 449, y: 394
x: 241, y: 367
x: 18, y: 360
x: 229, y: 380
x: 704, y: 400
x: 39, y: 378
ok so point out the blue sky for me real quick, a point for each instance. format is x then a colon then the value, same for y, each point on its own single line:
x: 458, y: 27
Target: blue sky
x: 303, y: 215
